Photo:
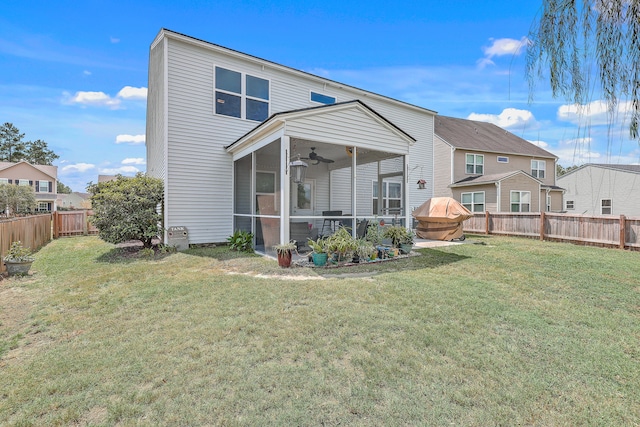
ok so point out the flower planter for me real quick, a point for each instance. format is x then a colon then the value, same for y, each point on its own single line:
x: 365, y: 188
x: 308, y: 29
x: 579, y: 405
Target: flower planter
x: 405, y: 248
x: 319, y: 259
x: 18, y: 268
x: 284, y: 259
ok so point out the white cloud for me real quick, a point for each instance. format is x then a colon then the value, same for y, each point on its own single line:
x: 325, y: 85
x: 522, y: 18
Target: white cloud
x: 114, y: 40
x: 86, y: 72
x: 540, y: 144
x: 501, y: 47
x: 593, y: 113
x: 99, y: 99
x: 123, y: 170
x: 78, y: 167
x: 130, y: 92
x: 132, y: 161
x: 510, y: 117
x: 130, y: 139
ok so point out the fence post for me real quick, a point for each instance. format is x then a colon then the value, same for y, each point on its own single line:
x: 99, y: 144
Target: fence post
x: 542, y: 225
x: 85, y: 223
x: 486, y: 222
x: 55, y: 224
x: 623, y: 230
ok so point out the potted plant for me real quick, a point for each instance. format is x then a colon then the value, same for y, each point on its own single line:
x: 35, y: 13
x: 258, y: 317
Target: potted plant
x: 284, y: 253
x: 406, y: 243
x: 341, y: 244
x: 319, y: 254
x: 395, y: 233
x: 365, y: 250
x: 18, y: 260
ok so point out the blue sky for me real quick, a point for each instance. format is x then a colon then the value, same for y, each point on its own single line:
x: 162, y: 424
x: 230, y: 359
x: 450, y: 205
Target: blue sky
x: 75, y: 73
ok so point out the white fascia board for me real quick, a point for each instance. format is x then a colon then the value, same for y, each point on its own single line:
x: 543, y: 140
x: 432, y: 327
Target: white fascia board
x: 256, y: 134
x: 256, y: 144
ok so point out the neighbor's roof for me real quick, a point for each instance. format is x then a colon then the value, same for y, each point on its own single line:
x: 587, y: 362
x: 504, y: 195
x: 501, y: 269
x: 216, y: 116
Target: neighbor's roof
x: 50, y: 170
x: 489, y: 179
x: 482, y: 136
x: 621, y: 168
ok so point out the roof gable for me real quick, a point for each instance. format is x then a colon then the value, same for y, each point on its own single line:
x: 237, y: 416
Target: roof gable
x: 491, y: 179
x: 482, y: 136
x: 49, y: 170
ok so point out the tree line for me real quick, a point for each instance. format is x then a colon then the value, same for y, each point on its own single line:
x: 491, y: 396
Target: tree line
x: 13, y: 147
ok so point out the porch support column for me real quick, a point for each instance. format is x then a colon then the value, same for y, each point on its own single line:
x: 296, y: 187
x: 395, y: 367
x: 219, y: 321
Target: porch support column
x: 285, y: 187
x: 407, y: 199
x: 354, y: 177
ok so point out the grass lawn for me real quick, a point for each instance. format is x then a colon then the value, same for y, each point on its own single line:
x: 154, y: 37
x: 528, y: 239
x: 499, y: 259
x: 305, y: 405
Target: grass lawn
x: 506, y: 332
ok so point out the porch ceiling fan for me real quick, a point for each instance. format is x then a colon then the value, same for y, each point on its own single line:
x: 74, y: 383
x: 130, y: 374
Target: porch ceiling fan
x: 313, y: 156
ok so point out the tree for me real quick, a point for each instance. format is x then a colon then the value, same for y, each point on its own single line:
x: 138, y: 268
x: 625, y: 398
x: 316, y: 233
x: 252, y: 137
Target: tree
x: 11, y: 145
x: 17, y: 199
x: 560, y: 170
x: 127, y: 208
x: 573, y: 38
x: 38, y: 153
x: 14, y: 149
x: 63, y: 189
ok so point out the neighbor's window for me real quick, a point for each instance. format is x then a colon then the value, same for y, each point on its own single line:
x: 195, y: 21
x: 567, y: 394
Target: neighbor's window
x: 548, y: 203
x: 520, y: 201
x: 322, y: 99
x: 475, y: 163
x: 391, y: 197
x: 473, y: 201
x: 24, y: 182
x: 503, y: 159
x: 43, y: 187
x: 569, y: 204
x: 43, y: 207
x: 4, y: 180
x: 537, y: 168
x: 235, y: 99
x: 605, y: 207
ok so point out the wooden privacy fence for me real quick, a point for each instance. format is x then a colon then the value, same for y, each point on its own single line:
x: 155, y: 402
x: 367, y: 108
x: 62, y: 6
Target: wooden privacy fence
x: 72, y: 223
x: 33, y: 231
x: 609, y: 231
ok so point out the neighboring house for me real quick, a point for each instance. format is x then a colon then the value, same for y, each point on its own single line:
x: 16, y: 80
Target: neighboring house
x: 487, y: 168
x: 42, y: 178
x: 232, y: 135
x: 105, y: 178
x: 602, y: 189
x: 74, y: 200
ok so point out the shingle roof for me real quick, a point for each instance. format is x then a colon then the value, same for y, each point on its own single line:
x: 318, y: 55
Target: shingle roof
x: 626, y: 168
x: 488, y: 179
x: 482, y: 136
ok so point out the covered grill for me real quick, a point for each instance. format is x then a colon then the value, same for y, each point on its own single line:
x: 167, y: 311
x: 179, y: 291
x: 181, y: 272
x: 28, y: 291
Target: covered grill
x: 440, y: 218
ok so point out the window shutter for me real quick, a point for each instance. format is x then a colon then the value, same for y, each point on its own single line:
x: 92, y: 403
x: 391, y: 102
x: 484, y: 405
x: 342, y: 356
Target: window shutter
x: 49, y: 206
x: 37, y: 186
x: 51, y: 189
x: 10, y: 181
x: 30, y: 183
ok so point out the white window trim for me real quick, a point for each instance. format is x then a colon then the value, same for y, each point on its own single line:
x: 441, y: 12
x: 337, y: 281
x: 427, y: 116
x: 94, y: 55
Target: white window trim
x: 243, y: 95
x: 26, y: 182
x: 335, y: 98
x: 40, y: 187
x: 610, y: 207
x: 4, y: 180
x: 473, y: 193
x: 475, y: 164
x: 538, y: 169
x: 520, y: 201
x: 566, y: 204
x: 502, y: 157
x: 385, y: 199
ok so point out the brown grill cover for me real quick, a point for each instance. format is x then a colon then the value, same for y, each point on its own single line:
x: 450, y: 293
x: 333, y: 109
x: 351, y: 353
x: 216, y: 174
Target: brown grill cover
x: 440, y: 218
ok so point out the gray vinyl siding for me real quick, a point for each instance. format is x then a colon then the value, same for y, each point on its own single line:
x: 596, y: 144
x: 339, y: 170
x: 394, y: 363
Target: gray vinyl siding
x: 199, y: 171
x: 587, y: 186
x: 155, y: 129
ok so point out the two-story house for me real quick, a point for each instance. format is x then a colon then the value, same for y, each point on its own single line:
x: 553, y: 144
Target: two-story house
x: 42, y: 178
x: 602, y: 189
x: 487, y: 168
x: 243, y: 143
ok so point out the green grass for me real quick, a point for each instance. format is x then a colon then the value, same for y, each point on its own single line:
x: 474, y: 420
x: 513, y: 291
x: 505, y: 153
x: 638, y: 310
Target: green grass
x: 508, y: 332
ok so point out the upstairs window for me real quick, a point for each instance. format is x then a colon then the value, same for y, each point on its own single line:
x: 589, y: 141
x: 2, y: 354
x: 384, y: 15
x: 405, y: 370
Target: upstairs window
x: 537, y: 168
x: 241, y: 95
x: 503, y: 159
x: 475, y: 164
x: 4, y: 180
x: 605, y: 207
x: 42, y: 187
x: 569, y: 204
x: 322, y: 99
x: 23, y: 182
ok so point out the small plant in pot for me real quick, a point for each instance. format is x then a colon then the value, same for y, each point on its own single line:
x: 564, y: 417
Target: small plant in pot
x: 319, y: 248
x: 18, y: 260
x: 406, y: 243
x: 341, y: 244
x: 284, y: 252
x: 365, y: 250
x: 400, y: 237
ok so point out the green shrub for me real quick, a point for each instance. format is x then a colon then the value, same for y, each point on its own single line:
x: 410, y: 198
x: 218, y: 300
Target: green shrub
x: 241, y: 241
